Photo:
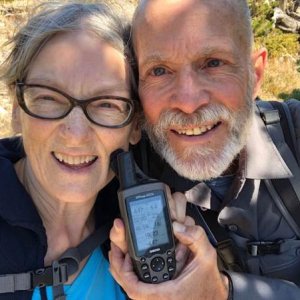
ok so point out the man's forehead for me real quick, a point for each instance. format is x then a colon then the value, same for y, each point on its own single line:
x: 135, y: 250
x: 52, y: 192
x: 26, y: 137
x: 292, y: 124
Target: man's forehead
x: 148, y: 9
x: 186, y: 20
x: 161, y: 15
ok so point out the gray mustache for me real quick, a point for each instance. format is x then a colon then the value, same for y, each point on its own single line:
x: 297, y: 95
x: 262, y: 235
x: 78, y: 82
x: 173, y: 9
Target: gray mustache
x: 212, y: 113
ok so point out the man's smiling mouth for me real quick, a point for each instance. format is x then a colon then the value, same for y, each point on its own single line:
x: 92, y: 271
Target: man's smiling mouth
x: 196, y: 130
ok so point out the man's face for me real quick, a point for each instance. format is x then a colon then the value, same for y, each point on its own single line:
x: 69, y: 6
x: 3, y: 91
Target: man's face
x: 194, y: 84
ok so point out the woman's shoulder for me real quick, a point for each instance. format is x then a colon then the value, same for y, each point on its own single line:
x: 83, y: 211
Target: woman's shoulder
x: 11, y: 148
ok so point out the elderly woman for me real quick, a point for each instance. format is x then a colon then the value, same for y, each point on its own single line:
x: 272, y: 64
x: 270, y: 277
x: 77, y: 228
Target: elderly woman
x: 73, y: 106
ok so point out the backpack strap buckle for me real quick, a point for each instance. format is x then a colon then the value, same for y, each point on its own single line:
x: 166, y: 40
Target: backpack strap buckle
x: 270, y: 116
x: 53, y: 275
x: 264, y: 248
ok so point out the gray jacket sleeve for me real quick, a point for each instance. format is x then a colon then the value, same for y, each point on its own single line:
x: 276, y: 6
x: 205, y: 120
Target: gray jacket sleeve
x: 253, y: 287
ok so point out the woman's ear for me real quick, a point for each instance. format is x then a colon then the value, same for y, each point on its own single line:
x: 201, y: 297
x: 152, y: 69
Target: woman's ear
x: 16, y: 118
x: 259, y: 62
x: 135, y: 132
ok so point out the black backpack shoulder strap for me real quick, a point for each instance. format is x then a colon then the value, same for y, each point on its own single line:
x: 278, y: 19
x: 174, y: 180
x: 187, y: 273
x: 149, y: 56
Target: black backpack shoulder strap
x: 73, y: 256
x: 287, y: 126
x: 284, y: 191
x: 280, y: 126
x: 229, y: 256
x: 56, y: 274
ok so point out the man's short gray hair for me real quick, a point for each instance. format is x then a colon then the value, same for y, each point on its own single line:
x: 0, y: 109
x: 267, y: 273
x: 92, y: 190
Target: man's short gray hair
x: 102, y: 19
x: 239, y: 9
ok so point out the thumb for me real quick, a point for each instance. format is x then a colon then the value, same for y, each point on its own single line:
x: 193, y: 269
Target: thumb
x: 117, y: 235
x: 193, y: 236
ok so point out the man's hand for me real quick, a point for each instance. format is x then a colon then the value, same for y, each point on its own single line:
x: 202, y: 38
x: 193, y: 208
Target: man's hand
x: 199, y: 278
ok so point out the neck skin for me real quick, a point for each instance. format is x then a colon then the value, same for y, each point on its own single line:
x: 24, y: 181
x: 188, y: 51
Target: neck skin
x: 66, y: 223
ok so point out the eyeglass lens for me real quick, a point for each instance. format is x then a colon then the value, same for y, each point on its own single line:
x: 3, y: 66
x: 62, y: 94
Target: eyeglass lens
x: 46, y: 103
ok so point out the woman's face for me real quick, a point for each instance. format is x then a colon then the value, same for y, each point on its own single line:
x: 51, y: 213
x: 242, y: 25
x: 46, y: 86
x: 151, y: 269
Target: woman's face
x: 69, y: 158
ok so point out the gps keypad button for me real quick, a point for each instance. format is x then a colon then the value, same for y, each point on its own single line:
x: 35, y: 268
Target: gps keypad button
x: 170, y: 260
x: 157, y: 264
x: 171, y: 269
x: 147, y: 276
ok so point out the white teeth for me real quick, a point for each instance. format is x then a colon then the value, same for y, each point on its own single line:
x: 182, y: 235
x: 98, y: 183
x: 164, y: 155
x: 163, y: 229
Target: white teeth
x: 190, y: 132
x: 74, y: 160
x: 195, y: 130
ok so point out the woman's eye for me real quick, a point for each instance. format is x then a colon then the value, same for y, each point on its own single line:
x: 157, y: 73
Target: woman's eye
x: 214, y: 63
x: 116, y: 106
x: 159, y: 71
x: 47, y: 98
x: 44, y: 98
x: 105, y: 105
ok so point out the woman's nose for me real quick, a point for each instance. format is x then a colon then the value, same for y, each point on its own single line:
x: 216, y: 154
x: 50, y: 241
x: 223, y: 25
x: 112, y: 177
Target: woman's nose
x: 76, y: 127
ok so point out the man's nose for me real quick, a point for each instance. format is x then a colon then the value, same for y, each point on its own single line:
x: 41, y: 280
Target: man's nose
x: 76, y: 127
x: 191, y: 91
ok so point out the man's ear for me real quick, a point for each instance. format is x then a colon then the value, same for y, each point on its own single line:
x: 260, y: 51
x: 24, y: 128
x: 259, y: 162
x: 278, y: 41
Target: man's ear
x: 259, y: 62
x: 135, y: 132
x: 16, y: 118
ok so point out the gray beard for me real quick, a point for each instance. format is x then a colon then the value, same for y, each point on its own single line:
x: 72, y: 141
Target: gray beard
x: 202, y: 162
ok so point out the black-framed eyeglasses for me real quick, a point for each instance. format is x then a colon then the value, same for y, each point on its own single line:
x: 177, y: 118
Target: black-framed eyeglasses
x: 45, y: 102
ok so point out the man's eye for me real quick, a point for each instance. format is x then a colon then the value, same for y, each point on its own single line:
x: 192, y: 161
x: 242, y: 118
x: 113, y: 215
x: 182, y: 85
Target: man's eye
x: 214, y: 63
x: 159, y: 71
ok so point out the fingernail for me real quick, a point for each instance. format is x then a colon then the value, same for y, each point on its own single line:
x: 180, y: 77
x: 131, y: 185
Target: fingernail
x: 178, y: 227
x: 117, y: 225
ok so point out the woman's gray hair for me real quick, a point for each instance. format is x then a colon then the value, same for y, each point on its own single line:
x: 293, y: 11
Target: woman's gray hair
x: 104, y: 20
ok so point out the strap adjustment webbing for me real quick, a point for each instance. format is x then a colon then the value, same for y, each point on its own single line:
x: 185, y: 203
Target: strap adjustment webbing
x: 53, y: 275
x: 60, y: 270
x: 14, y: 282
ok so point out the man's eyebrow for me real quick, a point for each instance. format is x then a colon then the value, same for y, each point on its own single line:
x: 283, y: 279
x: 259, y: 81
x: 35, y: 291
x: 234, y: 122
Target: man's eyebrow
x: 153, y: 58
x: 205, y: 52
x: 217, y: 50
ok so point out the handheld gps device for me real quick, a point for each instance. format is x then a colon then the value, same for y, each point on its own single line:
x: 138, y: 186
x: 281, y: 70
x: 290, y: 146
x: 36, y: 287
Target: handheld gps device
x: 145, y: 211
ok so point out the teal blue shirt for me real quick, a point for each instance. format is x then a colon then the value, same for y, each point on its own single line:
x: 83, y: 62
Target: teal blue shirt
x: 93, y: 282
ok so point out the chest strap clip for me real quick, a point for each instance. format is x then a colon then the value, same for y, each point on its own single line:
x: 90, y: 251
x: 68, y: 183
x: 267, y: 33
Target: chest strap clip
x: 54, y: 275
x: 264, y: 248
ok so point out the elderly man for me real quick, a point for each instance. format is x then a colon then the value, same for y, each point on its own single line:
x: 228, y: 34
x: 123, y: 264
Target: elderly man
x: 198, y: 79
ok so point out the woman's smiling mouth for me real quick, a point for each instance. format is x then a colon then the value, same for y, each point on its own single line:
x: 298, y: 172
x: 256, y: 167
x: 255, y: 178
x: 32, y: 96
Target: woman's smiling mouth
x: 75, y: 162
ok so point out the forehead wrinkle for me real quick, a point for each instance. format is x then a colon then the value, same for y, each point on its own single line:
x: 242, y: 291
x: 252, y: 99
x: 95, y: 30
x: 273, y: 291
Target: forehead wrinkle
x: 115, y: 88
x: 156, y: 18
